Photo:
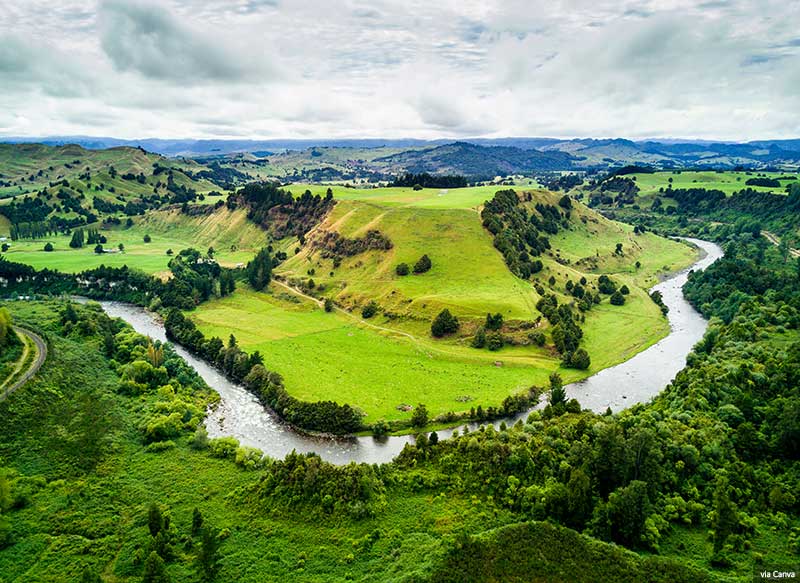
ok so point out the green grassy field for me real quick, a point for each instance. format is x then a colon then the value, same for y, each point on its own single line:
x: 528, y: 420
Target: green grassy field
x: 727, y: 181
x: 435, y: 198
x: 339, y: 356
x: 233, y: 237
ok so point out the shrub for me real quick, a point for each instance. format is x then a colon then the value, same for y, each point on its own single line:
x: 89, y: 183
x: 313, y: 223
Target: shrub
x: 624, y: 290
x: 495, y: 342
x: 147, y: 238
x: 369, y: 310
x: 479, y: 340
x: 328, y: 305
x: 445, y: 323
x: 538, y: 338
x: 419, y: 418
x: 617, y: 298
x: 424, y: 264
x: 48, y: 247
x: 402, y: 269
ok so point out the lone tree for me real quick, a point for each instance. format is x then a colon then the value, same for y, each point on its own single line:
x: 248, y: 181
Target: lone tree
x: 445, y: 323
x: 419, y: 418
x: 48, y: 247
x: 558, y: 394
x: 147, y: 238
x: 402, y: 269
x: 424, y: 264
x: 259, y: 270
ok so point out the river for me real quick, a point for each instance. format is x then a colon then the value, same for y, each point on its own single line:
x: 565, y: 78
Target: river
x: 239, y: 413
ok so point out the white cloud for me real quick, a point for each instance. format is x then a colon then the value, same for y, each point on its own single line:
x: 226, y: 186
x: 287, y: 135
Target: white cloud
x: 726, y: 69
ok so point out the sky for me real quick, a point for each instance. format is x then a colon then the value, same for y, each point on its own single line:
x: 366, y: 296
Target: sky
x: 310, y: 69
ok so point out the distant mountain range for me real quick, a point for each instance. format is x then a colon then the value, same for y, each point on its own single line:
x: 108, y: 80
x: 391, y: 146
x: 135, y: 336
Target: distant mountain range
x: 470, y: 157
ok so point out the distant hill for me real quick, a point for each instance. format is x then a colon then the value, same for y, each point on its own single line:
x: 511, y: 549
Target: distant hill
x: 474, y: 160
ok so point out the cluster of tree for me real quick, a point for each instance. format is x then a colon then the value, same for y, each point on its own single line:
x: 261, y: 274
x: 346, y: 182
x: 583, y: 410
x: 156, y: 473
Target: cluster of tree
x: 278, y: 211
x: 625, y: 189
x: 195, y: 278
x: 566, y: 331
x: 518, y: 233
x: 259, y: 270
x: 91, y: 237
x: 304, y: 483
x: 763, y: 181
x: 426, y: 180
x: 563, y: 182
x: 323, y: 416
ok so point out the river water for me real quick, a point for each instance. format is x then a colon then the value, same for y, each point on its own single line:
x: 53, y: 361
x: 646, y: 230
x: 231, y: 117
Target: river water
x: 239, y: 413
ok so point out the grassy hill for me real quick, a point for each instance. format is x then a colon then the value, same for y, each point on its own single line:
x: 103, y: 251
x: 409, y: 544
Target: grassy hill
x: 30, y: 168
x: 234, y: 238
x: 375, y: 364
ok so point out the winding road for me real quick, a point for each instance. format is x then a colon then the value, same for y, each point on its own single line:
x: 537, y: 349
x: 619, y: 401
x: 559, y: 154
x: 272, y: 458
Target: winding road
x: 41, y: 356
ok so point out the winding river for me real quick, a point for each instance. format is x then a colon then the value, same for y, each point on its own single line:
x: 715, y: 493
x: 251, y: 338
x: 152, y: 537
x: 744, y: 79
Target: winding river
x: 239, y: 414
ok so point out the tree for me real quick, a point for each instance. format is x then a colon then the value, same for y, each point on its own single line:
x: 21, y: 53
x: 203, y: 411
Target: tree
x: 494, y: 321
x: 369, y: 310
x: 617, y: 299
x: 48, y: 247
x: 210, y: 252
x: 155, y: 521
x: 579, y: 499
x: 565, y: 202
x: 434, y: 438
x: 495, y: 341
x: 77, y: 239
x: 725, y: 519
x: 618, y: 249
x: 424, y: 264
x: 5, y: 247
x: 89, y: 576
x: 208, y: 554
x: 259, y: 270
x: 121, y: 247
x: 558, y: 394
x: 580, y: 359
x: 419, y: 418
x: 622, y: 518
x: 154, y: 570
x: 402, y: 269
x: 479, y: 340
x: 624, y: 290
x: 444, y: 323
x: 328, y: 305
x: 98, y: 249
x: 147, y: 238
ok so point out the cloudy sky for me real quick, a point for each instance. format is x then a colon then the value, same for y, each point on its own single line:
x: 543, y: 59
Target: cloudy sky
x: 718, y: 69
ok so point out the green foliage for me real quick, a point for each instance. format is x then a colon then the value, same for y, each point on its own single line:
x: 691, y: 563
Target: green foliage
x: 369, y: 310
x: 419, y: 418
x: 402, y: 269
x: 617, y: 298
x: 154, y: 570
x: 479, y: 340
x: 444, y: 323
x: 423, y: 264
x: 259, y: 270
x: 494, y: 321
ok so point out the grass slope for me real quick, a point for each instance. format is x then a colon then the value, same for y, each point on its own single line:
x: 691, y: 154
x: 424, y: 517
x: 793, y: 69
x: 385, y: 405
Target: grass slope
x: 230, y: 233
x: 391, y: 359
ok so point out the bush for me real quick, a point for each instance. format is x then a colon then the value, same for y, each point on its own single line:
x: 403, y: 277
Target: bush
x: 147, y: 238
x: 579, y: 359
x: 617, y: 299
x: 369, y: 310
x: 48, y: 247
x: 328, y: 305
x: 495, y: 342
x: 624, y: 290
x: 402, y: 269
x: 419, y: 418
x: 538, y: 338
x: 445, y: 323
x: 424, y: 264
x: 479, y: 340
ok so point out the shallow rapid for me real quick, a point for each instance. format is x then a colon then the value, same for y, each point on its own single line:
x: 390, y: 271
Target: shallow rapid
x: 239, y: 413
